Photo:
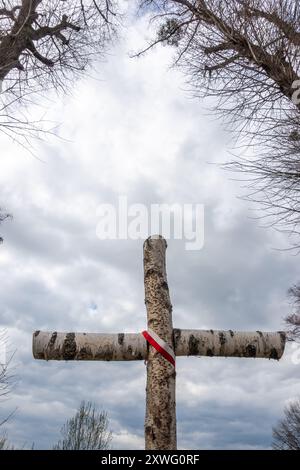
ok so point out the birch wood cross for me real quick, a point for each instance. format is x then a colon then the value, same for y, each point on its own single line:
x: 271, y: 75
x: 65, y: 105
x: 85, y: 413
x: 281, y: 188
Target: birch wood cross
x: 158, y: 346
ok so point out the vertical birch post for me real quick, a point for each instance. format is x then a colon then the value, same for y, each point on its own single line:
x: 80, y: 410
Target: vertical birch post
x: 160, y: 422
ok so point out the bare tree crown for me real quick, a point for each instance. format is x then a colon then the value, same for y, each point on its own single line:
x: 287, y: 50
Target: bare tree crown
x: 245, y: 55
x: 286, y: 435
x: 46, y: 44
x: 87, y: 430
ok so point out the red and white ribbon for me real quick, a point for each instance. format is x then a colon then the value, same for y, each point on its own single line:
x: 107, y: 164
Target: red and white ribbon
x: 160, y: 345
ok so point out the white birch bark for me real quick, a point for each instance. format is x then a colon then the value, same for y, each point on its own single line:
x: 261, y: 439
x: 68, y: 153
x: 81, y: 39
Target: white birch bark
x: 230, y: 343
x: 160, y: 420
x: 88, y: 346
x: 133, y: 346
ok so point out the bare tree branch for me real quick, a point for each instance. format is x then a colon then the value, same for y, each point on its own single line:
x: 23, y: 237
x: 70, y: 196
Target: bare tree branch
x: 3, y: 216
x: 7, y: 378
x: 293, y: 320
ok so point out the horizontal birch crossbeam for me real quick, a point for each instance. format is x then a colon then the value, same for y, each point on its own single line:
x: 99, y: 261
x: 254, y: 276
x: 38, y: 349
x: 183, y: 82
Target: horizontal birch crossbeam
x: 133, y: 346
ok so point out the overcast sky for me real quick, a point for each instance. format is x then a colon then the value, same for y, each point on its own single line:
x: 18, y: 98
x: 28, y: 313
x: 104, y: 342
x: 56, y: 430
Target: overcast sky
x: 135, y: 131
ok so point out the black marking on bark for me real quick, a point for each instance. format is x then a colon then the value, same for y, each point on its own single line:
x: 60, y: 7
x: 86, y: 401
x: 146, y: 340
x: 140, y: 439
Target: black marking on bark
x: 129, y: 349
x: 152, y: 270
x: 259, y: 332
x: 52, y: 351
x: 193, y: 346
x: 36, y: 333
x: 148, y: 430
x: 85, y: 353
x: 106, y: 355
x: 69, y: 347
x: 209, y: 352
x: 212, y: 331
x: 121, y: 339
x: 250, y: 350
x: 222, y: 338
x: 176, y: 336
x: 52, y: 340
x: 169, y: 417
x: 274, y: 354
x: 282, y: 338
x: 157, y: 422
x: 98, y: 355
x: 109, y: 354
x: 139, y: 357
x: 231, y: 333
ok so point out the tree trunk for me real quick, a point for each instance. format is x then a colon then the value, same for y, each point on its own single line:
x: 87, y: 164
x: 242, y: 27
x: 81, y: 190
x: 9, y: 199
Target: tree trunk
x: 160, y: 422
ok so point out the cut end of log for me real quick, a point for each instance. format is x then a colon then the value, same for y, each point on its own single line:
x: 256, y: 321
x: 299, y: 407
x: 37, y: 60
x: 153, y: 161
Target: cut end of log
x: 154, y: 241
